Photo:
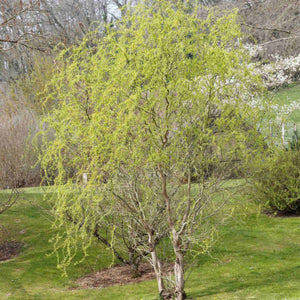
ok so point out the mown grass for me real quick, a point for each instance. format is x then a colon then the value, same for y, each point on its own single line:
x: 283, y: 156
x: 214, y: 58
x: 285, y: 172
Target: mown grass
x: 288, y: 95
x: 256, y: 257
x: 283, y: 98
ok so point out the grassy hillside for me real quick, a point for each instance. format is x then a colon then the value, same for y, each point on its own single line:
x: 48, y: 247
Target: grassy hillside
x: 288, y: 95
x: 284, y: 97
x: 256, y: 257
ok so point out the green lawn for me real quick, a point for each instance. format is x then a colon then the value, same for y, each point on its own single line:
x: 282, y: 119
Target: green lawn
x: 283, y: 98
x: 288, y: 95
x: 256, y: 257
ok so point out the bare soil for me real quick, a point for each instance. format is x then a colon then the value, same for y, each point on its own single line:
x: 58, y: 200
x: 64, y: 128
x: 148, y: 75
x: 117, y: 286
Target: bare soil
x: 118, y: 275
x: 9, y: 250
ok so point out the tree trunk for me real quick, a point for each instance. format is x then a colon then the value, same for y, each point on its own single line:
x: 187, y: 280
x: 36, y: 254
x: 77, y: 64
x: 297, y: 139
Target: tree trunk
x: 134, y: 271
x: 156, y: 265
x: 134, y: 262
x: 178, y: 268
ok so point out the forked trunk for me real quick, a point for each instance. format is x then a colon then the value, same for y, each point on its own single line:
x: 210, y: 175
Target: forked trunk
x: 179, y: 266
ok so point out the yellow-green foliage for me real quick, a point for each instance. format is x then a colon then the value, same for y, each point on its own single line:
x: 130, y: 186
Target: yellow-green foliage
x: 162, y: 90
x: 33, y: 83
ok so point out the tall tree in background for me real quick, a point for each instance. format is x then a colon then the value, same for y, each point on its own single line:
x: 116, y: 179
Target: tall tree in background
x: 271, y: 24
x: 33, y: 28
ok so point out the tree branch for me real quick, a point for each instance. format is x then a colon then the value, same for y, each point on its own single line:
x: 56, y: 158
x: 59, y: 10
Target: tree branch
x: 281, y: 39
x: 266, y: 28
x: 18, y: 13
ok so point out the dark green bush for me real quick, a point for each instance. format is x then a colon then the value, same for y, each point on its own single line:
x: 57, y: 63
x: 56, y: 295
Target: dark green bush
x: 276, y: 182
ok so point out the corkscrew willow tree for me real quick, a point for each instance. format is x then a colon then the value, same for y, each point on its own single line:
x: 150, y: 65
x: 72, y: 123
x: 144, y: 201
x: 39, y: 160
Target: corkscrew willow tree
x: 156, y: 114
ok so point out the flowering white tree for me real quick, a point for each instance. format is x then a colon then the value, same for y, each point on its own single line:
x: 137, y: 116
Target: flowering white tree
x: 282, y: 71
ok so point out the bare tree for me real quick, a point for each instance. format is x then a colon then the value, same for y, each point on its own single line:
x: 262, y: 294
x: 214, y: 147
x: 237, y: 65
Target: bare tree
x: 272, y: 24
x: 7, y: 200
x: 29, y: 28
x: 17, y: 126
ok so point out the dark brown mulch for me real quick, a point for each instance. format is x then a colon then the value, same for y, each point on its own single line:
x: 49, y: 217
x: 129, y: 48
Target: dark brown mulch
x: 120, y: 275
x: 9, y: 250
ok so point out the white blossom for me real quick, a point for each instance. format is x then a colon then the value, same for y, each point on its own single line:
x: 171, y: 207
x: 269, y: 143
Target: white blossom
x: 281, y: 72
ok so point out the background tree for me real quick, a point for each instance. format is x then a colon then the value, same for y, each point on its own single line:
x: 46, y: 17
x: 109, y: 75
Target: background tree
x: 17, y: 127
x: 34, y: 28
x: 271, y: 24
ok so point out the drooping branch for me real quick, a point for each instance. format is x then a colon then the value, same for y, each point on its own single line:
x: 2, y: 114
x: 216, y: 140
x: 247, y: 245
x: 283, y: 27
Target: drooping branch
x: 12, y: 199
x: 106, y: 243
x: 99, y: 237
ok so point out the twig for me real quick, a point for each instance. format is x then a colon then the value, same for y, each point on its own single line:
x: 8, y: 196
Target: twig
x: 266, y: 28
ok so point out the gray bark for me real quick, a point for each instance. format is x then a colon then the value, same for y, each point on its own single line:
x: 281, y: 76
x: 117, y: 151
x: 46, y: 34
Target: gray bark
x: 178, y: 268
x: 156, y: 264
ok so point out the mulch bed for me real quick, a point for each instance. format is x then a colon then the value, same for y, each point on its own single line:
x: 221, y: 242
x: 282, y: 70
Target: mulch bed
x: 120, y: 275
x: 9, y: 250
